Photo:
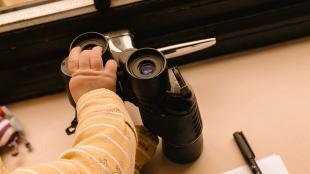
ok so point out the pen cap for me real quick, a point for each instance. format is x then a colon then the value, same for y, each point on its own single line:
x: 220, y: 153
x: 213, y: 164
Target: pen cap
x: 243, y: 145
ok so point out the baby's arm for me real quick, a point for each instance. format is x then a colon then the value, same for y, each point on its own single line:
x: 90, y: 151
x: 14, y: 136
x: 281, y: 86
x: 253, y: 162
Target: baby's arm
x: 105, y: 140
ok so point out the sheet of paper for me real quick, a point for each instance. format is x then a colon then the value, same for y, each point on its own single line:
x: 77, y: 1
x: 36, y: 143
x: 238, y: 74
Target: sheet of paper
x: 270, y: 165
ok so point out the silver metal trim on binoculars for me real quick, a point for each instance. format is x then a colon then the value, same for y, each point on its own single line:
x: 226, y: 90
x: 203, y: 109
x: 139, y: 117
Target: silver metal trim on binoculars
x: 122, y: 40
x: 186, y: 48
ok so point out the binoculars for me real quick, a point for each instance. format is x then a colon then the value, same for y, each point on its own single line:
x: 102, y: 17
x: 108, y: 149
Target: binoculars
x: 167, y: 105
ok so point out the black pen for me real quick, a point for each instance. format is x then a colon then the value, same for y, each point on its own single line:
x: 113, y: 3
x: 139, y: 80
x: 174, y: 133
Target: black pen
x: 247, y: 152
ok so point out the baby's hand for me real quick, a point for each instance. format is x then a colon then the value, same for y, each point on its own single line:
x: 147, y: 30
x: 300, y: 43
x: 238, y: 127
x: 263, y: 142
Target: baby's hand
x: 88, y: 72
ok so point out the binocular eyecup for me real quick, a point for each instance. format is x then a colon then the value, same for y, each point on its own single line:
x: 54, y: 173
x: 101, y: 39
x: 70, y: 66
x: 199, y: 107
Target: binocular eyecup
x: 148, y: 74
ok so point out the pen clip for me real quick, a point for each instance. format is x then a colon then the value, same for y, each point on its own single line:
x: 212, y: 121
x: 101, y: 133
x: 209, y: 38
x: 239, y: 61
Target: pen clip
x: 246, y: 152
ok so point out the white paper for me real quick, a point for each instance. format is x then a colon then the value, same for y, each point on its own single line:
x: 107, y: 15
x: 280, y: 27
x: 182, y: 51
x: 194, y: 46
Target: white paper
x: 270, y: 165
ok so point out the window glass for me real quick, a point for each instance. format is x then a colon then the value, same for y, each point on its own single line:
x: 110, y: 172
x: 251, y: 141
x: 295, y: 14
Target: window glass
x: 6, y: 3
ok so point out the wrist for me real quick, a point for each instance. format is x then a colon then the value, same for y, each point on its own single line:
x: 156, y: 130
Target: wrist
x: 100, y: 93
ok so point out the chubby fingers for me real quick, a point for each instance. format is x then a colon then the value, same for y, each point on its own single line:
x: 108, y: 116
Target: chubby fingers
x: 84, y: 60
x: 111, y: 67
x: 96, y: 62
x: 73, y: 59
x: 90, y: 59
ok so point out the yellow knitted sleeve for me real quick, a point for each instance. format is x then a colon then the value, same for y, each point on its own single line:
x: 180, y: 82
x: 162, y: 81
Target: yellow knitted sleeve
x: 105, y: 139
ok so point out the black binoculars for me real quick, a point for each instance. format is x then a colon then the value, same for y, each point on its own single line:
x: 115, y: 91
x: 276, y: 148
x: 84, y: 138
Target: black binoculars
x: 167, y: 105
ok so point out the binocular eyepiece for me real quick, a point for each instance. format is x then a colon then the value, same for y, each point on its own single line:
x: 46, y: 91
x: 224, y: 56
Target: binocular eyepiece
x: 167, y: 106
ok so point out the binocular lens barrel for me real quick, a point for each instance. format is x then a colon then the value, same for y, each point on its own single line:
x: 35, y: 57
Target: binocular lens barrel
x: 89, y: 40
x: 148, y: 73
x: 185, y: 153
